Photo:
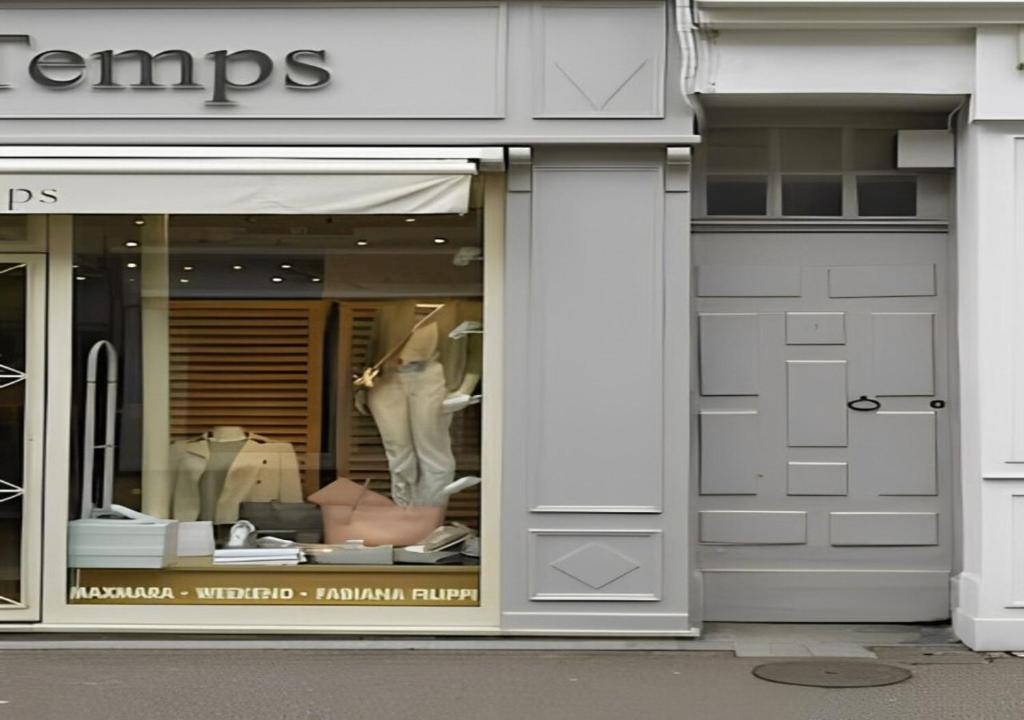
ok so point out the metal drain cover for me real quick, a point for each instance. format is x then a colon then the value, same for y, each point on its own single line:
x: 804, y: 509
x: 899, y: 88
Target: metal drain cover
x: 832, y: 673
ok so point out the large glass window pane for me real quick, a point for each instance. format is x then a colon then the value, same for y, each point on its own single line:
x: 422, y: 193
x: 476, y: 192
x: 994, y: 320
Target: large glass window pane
x: 812, y: 149
x: 887, y: 196
x: 819, y: 195
x: 737, y: 195
x: 241, y: 340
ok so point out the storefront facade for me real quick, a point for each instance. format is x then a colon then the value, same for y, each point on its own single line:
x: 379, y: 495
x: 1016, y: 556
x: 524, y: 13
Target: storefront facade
x: 777, y: 383
x: 239, y: 200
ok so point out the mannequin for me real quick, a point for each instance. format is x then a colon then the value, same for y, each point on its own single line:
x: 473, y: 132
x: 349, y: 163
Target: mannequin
x: 407, y: 400
x: 225, y: 442
x: 227, y: 433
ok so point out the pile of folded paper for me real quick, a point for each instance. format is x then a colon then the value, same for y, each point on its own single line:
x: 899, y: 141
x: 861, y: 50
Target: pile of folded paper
x: 259, y: 556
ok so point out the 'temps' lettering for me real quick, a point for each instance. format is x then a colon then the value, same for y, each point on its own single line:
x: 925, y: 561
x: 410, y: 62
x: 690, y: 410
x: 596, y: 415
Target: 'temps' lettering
x: 239, y: 70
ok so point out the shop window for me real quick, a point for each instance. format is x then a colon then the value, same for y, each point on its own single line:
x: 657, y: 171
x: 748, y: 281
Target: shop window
x: 812, y: 195
x: 887, y: 196
x: 737, y: 195
x: 300, y: 393
x: 13, y: 419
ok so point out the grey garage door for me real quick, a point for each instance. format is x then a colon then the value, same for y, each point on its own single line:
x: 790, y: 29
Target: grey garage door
x: 823, y: 429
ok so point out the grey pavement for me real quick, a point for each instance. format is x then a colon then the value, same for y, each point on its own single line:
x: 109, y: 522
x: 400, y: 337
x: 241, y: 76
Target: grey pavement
x: 164, y: 684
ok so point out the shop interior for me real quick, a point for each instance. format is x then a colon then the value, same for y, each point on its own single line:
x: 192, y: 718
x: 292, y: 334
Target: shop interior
x: 291, y: 396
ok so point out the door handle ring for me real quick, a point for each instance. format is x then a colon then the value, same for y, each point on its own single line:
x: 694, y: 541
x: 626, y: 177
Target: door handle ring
x: 859, y: 402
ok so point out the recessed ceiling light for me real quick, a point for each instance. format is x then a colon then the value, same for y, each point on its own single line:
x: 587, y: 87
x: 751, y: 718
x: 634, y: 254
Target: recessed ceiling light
x: 277, y: 279
x: 237, y: 267
x: 316, y: 279
x: 410, y: 219
x: 183, y: 281
x: 286, y: 266
x: 131, y: 265
x: 131, y: 243
x: 362, y: 243
x: 139, y: 221
x: 440, y: 241
x: 187, y: 268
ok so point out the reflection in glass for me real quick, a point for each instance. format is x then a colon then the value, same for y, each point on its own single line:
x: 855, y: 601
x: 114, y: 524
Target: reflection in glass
x: 13, y: 278
x: 887, y: 196
x: 811, y: 195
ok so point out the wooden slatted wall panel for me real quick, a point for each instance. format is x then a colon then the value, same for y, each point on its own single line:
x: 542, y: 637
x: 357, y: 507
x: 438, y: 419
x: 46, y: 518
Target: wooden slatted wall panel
x: 252, y: 363
x: 360, y: 451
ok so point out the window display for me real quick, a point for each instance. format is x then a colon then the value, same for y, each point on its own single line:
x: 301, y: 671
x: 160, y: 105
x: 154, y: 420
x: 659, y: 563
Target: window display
x: 286, y: 410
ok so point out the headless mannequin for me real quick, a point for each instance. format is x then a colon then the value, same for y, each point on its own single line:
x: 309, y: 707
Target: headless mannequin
x: 227, y: 433
x: 225, y: 442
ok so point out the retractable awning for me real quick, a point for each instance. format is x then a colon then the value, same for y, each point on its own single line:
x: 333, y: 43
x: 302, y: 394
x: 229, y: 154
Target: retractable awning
x: 236, y: 180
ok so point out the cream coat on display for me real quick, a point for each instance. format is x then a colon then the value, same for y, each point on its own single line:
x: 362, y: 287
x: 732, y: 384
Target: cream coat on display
x: 264, y: 470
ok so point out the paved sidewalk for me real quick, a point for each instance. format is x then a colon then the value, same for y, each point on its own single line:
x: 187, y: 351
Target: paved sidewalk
x: 483, y: 685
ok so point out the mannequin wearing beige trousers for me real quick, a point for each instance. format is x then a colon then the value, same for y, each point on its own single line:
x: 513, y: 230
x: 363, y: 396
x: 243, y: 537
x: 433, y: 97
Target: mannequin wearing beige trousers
x: 407, y: 398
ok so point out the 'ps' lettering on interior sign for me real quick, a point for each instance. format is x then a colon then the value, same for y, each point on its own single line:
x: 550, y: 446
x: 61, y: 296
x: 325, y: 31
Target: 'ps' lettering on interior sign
x: 228, y: 72
x: 22, y: 197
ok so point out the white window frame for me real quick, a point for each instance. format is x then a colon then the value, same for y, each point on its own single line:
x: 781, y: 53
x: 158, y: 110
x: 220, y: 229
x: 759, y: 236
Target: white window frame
x: 60, y: 615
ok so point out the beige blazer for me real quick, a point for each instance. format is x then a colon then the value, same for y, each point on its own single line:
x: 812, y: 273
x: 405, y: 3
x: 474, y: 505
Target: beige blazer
x: 263, y: 470
x: 431, y: 342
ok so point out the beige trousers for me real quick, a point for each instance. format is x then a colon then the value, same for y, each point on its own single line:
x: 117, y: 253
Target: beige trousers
x: 406, y: 405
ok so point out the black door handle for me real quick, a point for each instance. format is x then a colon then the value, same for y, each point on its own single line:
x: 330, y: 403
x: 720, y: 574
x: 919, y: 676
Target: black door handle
x: 859, y: 404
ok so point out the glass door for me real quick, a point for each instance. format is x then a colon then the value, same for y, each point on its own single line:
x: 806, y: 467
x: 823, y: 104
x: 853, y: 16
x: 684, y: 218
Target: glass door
x: 22, y: 371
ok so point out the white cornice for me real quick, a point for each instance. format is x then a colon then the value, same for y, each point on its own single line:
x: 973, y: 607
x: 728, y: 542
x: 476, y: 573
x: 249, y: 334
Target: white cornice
x: 780, y: 14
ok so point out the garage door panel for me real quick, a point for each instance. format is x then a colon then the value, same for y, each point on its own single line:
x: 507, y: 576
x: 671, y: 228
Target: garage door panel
x: 881, y: 281
x: 816, y: 403
x: 898, y: 454
x: 728, y: 354
x: 903, y: 354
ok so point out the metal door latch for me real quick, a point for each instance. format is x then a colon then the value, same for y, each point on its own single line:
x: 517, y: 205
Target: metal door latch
x: 859, y: 404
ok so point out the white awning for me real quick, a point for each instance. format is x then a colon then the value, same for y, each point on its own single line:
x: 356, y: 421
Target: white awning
x: 237, y: 180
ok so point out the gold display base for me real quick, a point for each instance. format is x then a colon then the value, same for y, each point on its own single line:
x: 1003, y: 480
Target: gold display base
x: 197, y: 581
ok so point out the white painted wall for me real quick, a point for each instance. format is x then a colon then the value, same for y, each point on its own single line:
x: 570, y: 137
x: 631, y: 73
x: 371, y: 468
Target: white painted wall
x: 989, y: 602
x: 838, y: 61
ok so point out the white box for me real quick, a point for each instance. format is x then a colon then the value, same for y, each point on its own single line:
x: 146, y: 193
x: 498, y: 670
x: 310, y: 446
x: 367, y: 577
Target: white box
x: 195, y: 539
x: 122, y: 543
x: 925, y: 149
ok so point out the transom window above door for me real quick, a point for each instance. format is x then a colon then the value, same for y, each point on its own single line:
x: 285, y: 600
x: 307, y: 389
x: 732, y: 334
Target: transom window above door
x: 813, y: 172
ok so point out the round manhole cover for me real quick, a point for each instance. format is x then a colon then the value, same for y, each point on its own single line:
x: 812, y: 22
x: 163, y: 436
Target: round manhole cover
x: 832, y: 673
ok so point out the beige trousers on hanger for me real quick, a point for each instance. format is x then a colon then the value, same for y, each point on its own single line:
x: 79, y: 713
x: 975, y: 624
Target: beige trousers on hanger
x: 406, y: 405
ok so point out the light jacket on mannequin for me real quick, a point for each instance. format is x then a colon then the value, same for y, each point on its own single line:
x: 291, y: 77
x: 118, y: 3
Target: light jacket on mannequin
x: 407, y: 398
x: 262, y: 470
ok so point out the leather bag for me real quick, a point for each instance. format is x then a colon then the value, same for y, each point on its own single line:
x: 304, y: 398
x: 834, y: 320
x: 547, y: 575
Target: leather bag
x: 293, y: 521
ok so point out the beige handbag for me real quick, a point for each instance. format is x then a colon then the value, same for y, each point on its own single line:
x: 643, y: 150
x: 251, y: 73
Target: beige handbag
x: 354, y: 512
